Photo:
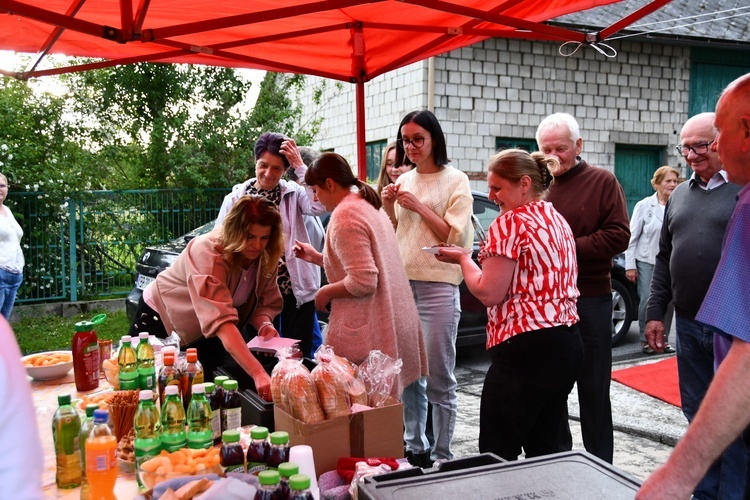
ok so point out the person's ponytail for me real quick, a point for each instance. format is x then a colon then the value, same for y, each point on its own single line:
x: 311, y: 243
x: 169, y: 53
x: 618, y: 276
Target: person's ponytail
x: 368, y: 194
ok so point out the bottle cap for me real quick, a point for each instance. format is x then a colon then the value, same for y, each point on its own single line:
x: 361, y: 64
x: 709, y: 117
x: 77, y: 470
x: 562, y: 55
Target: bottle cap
x: 299, y: 481
x: 63, y: 399
x: 101, y: 416
x: 219, y: 381
x: 126, y: 339
x: 168, y: 359
x: 192, y: 357
x: 90, y: 409
x: 192, y: 349
x: 143, y: 335
x: 146, y: 394
x: 288, y: 469
x: 84, y: 326
x: 279, y: 437
x: 258, y: 432
x: 230, y: 385
x: 199, y: 389
x: 209, y: 387
x: 171, y: 390
x: 231, y: 436
x: 268, y: 477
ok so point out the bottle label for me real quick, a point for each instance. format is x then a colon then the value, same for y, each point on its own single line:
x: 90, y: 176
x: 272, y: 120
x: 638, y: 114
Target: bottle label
x: 231, y: 418
x: 216, y: 423
x: 255, y: 467
x: 146, y: 378
x: 127, y: 383
x: 173, y: 442
x: 235, y: 468
x: 200, y: 439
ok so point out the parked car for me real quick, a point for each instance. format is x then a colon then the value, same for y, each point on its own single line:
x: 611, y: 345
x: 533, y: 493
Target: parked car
x: 471, y: 326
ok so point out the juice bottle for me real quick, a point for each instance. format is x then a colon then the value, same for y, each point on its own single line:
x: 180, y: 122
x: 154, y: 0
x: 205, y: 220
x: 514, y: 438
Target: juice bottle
x: 193, y: 374
x: 101, y: 464
x: 300, y: 487
x: 215, y: 411
x: 232, y: 458
x: 200, y: 434
x: 86, y: 426
x: 279, y: 451
x: 173, y: 435
x: 167, y: 376
x: 146, y: 370
x: 269, y: 484
x: 66, y: 427
x: 128, y: 361
x: 86, y: 364
x: 257, y: 450
x: 219, y: 383
x: 147, y: 427
x: 231, y: 407
x: 286, y: 470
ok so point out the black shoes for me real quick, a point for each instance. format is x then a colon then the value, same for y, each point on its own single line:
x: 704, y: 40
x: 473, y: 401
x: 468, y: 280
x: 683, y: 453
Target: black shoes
x: 421, y: 460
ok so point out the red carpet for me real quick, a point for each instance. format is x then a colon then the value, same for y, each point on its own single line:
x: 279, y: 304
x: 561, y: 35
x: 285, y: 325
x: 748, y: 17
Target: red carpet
x: 655, y: 379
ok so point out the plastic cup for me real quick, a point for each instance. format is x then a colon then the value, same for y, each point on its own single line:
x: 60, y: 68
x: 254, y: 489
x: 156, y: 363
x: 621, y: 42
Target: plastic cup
x: 302, y: 455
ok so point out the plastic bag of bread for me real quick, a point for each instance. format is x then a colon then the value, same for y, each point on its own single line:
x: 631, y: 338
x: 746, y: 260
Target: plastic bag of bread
x: 297, y: 393
x: 287, y: 356
x: 379, y: 373
x: 337, y: 384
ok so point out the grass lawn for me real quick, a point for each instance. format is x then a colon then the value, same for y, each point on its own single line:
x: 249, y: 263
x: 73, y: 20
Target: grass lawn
x: 53, y: 333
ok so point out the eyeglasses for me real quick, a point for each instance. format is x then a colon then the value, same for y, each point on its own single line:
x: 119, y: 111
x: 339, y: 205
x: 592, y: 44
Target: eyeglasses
x: 417, y: 142
x: 698, y: 149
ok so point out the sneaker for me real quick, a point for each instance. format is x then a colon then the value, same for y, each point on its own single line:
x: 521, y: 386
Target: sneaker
x: 669, y: 349
x: 421, y: 460
x: 647, y: 349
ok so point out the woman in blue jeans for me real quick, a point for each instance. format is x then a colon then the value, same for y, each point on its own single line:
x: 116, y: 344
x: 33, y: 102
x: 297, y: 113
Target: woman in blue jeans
x: 429, y: 205
x: 11, y: 255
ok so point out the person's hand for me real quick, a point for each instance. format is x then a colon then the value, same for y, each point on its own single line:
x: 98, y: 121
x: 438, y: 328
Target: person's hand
x: 304, y: 251
x: 268, y: 331
x: 655, y: 335
x: 289, y: 149
x: 451, y: 254
x: 389, y: 193
x: 322, y: 299
x: 263, y: 386
x: 408, y: 201
x: 664, y: 484
x: 631, y: 275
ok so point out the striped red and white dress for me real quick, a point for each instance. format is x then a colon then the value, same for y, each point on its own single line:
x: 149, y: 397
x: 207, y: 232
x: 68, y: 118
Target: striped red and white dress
x: 543, y: 290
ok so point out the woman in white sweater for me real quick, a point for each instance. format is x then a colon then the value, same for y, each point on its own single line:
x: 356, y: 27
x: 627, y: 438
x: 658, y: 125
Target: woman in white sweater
x: 645, y: 228
x: 11, y: 255
x: 430, y: 205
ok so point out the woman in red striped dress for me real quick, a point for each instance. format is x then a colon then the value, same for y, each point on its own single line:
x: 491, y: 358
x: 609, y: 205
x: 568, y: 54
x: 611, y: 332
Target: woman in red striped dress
x: 528, y: 283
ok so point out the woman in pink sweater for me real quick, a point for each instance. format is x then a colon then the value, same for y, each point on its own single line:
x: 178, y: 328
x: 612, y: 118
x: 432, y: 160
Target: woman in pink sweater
x: 371, y: 303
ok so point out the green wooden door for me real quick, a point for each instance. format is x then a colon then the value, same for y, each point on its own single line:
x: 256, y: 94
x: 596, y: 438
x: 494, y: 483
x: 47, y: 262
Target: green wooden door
x: 634, y: 168
x: 374, y: 153
x: 711, y: 70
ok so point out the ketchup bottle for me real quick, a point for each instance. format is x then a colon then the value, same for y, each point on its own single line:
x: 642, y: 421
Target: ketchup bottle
x: 86, y: 363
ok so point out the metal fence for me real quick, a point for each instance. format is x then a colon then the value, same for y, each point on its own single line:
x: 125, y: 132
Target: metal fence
x: 86, y: 246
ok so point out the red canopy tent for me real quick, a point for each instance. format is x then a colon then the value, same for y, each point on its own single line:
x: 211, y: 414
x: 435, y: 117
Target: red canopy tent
x: 348, y: 40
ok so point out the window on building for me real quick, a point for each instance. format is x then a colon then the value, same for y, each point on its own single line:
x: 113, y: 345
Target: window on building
x: 512, y: 142
x: 374, y: 152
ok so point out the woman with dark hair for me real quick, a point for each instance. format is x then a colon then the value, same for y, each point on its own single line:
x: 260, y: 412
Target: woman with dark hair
x: 220, y: 282
x: 298, y: 280
x: 389, y: 169
x: 430, y: 205
x: 368, y: 292
x: 528, y: 283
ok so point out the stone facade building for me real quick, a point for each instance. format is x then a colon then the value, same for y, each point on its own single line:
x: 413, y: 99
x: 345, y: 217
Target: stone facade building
x: 493, y: 94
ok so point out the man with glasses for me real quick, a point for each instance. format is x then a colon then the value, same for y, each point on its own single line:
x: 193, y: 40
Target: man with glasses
x: 695, y: 220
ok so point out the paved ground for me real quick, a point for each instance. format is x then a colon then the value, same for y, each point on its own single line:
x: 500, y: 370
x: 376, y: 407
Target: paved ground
x: 646, y: 428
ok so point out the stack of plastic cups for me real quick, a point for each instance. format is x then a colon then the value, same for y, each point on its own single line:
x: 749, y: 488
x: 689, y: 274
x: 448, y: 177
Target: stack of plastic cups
x: 302, y: 455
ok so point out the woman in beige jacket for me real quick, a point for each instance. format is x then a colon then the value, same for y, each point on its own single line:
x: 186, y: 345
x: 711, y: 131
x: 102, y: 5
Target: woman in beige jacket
x: 220, y: 282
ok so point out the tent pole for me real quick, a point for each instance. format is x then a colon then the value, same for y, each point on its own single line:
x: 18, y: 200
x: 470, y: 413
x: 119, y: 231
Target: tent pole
x: 361, y: 146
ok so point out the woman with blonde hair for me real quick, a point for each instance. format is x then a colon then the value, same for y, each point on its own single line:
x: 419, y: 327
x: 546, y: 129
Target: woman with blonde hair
x: 640, y: 257
x: 221, y: 282
x: 528, y: 283
x: 389, y: 169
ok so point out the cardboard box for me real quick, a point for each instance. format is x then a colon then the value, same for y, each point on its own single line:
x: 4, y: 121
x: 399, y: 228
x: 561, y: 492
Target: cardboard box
x: 329, y: 439
x: 378, y: 432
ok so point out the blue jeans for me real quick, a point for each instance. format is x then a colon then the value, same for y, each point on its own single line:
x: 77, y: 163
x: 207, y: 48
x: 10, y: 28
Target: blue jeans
x: 439, y: 311
x: 9, y: 284
x: 643, y: 283
x: 695, y: 366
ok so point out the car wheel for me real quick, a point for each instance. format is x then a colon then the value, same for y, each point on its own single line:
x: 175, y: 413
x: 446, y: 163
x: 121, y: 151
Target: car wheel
x: 622, y: 311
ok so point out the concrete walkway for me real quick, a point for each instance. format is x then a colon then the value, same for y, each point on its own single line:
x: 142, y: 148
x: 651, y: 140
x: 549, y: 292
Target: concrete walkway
x: 646, y: 428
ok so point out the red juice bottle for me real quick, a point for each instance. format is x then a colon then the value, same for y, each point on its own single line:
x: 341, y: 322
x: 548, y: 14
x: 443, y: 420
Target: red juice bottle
x: 279, y: 451
x: 232, y: 458
x: 286, y: 471
x: 300, y: 487
x: 257, y: 450
x: 269, y: 484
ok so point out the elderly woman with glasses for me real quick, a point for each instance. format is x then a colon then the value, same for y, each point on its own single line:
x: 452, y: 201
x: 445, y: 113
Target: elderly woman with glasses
x: 430, y: 205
